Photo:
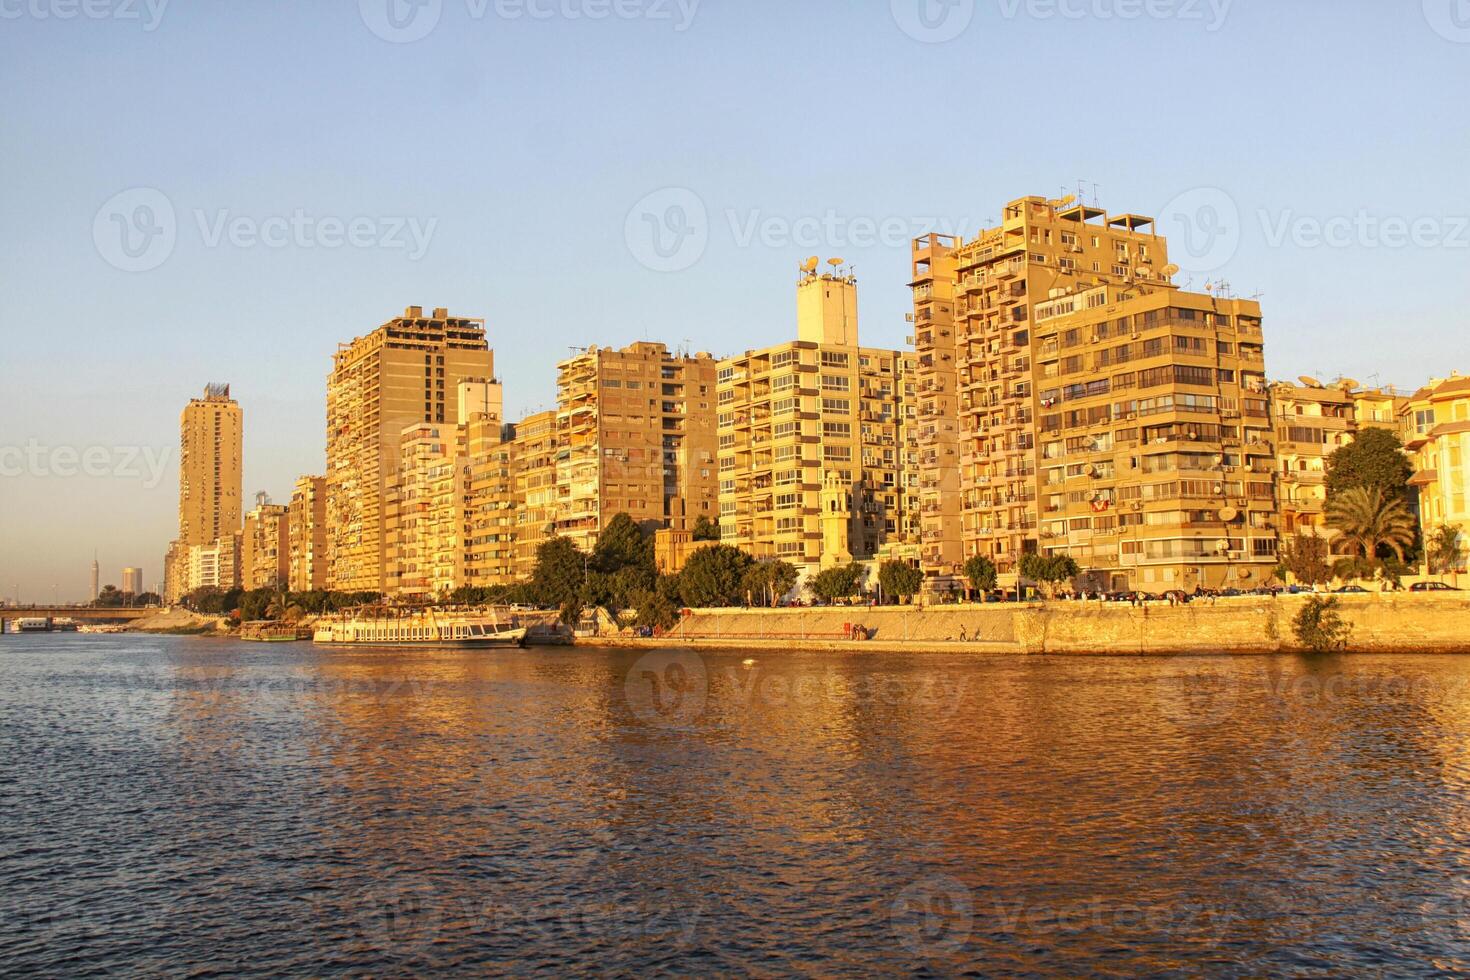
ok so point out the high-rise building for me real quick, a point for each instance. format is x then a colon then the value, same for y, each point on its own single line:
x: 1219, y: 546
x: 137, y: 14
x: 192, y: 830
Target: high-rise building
x: 403, y: 373
x: 1312, y: 422
x: 811, y: 439
x: 1099, y: 411
x: 265, y: 545
x: 308, y: 530
x: 211, y: 439
x: 211, y: 435
x: 132, y: 581
x: 490, y: 502
x: 96, y: 578
x: 1434, y: 424
x: 538, y: 441
x: 638, y: 429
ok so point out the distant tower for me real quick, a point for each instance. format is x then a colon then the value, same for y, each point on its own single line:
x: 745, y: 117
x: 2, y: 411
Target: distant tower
x: 836, y: 503
x: 96, y: 577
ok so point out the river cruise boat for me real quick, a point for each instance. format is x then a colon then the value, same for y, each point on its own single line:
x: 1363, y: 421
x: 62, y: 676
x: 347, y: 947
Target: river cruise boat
x: 272, y: 632
x: 389, y: 626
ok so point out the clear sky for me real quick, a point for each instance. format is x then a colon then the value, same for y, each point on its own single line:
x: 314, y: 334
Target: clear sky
x: 222, y: 191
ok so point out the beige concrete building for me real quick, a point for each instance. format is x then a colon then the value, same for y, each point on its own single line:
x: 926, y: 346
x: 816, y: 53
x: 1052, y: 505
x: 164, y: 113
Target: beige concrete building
x: 538, y: 442
x: 265, y: 545
x: 1098, y: 410
x: 491, y: 503
x: 132, y: 581
x: 403, y: 373
x: 1312, y: 421
x: 308, y: 530
x: 1434, y: 424
x: 811, y: 438
x: 637, y: 429
x: 211, y: 441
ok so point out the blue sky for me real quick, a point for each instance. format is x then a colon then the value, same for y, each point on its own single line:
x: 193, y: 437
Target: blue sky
x: 535, y: 155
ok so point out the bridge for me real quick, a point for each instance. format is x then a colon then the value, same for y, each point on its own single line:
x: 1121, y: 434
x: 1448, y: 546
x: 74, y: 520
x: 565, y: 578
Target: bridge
x: 80, y: 614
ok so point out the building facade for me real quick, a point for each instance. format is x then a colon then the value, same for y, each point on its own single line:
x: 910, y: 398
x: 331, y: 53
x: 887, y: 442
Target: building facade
x: 1434, y: 424
x: 403, y: 373
x: 308, y: 535
x: 637, y: 431
x: 132, y: 581
x: 537, y: 445
x: 811, y: 440
x: 1312, y: 421
x: 265, y: 546
x: 1097, y: 410
x: 211, y: 450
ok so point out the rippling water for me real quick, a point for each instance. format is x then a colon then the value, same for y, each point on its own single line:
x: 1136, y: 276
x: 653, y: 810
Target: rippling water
x: 187, y: 806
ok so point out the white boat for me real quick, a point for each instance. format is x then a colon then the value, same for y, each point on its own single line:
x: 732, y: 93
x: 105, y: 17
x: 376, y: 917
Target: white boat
x: 390, y: 626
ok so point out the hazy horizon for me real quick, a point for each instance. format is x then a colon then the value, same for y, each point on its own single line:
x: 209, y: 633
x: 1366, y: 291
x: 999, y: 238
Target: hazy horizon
x: 219, y: 193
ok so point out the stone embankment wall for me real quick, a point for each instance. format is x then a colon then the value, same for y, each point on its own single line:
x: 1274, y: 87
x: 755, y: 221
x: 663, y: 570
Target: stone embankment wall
x: 1399, y: 622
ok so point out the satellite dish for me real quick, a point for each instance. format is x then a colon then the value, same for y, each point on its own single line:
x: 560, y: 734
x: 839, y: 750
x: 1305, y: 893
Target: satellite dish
x: 1066, y: 200
x: 1143, y: 272
x: 810, y: 265
x: 1228, y: 514
x: 834, y: 263
x: 1171, y: 270
x: 1310, y: 382
x: 1223, y: 544
x: 1350, y: 384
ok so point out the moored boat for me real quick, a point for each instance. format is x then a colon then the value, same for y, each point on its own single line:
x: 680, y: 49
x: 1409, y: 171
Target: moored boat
x: 266, y: 631
x: 397, y: 626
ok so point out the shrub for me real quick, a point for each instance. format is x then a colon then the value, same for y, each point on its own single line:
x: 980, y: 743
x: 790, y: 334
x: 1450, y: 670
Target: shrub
x: 1319, y: 627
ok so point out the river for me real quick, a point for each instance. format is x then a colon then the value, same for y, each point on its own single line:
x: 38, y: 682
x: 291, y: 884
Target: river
x: 189, y: 806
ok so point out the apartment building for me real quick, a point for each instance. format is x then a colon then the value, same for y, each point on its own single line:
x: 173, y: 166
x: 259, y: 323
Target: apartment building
x: 403, y: 373
x: 1312, y: 422
x: 811, y: 438
x: 491, y: 503
x: 1099, y: 411
x: 307, y: 563
x: 637, y: 432
x: 537, y: 444
x: 1434, y: 424
x: 265, y: 545
x: 211, y: 441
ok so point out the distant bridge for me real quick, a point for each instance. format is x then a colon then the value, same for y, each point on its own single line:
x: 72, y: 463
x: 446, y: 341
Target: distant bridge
x: 80, y: 614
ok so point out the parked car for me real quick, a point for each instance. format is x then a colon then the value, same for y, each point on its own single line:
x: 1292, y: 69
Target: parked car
x: 1432, y: 587
x: 1349, y: 589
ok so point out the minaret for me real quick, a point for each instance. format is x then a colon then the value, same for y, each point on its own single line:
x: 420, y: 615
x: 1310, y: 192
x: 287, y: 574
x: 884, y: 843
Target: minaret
x: 96, y: 577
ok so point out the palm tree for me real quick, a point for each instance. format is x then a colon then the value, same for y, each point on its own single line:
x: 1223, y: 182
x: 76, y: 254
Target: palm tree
x: 1367, y: 518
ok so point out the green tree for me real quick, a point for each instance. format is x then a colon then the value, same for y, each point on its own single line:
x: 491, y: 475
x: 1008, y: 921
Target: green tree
x: 1375, y: 458
x: 900, y: 579
x: 706, y: 529
x: 714, y: 576
x: 1049, y: 571
x: 253, y: 604
x: 1446, y: 552
x: 654, y: 610
x: 110, y: 598
x: 1368, y: 519
x: 559, y: 574
x: 1319, y: 627
x: 622, y: 545
x: 1305, y: 556
x: 981, y: 573
x: 837, y: 582
x: 767, y: 582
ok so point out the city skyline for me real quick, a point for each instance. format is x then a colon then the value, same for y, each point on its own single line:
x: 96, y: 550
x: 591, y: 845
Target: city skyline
x: 1325, y: 222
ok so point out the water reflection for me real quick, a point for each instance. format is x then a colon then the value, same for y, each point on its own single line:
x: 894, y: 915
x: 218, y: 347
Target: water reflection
x: 175, y: 805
